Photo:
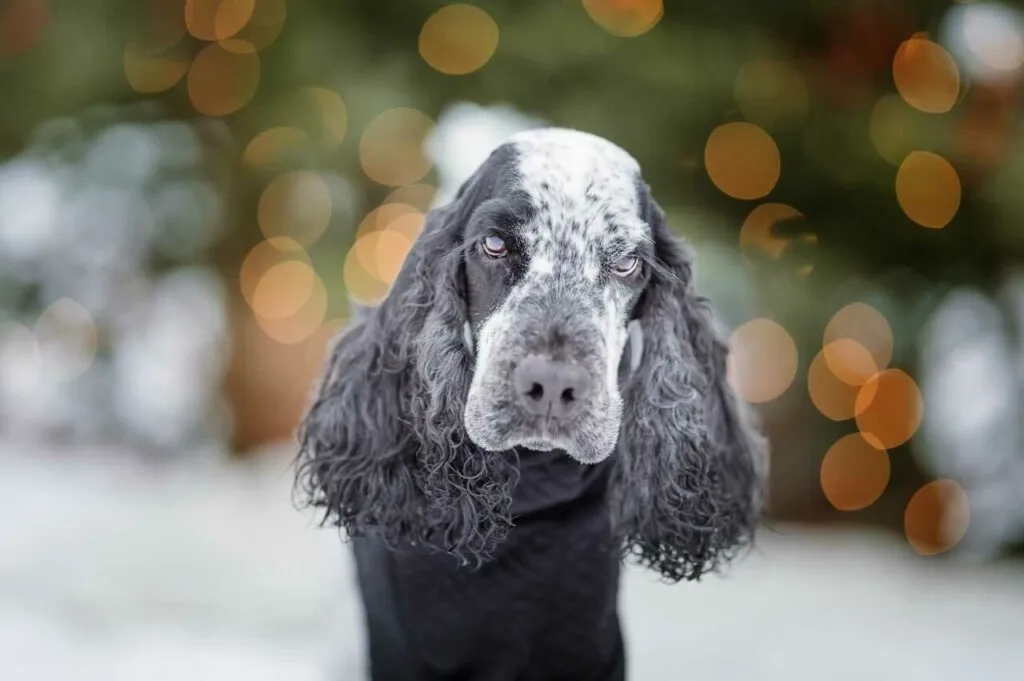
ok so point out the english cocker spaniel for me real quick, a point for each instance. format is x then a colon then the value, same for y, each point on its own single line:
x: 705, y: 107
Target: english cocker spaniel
x: 541, y: 396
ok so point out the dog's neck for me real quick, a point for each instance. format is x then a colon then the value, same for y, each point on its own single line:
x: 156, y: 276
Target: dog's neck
x: 552, y: 479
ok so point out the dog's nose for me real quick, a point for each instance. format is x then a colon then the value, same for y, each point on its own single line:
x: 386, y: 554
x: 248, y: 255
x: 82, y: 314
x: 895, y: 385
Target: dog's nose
x: 550, y: 388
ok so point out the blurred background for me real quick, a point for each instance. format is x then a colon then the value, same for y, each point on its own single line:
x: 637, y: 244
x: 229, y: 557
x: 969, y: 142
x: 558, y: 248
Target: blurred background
x: 192, y: 191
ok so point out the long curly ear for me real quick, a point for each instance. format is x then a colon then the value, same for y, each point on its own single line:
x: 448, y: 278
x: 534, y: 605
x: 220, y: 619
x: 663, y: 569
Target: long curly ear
x: 687, y: 493
x: 383, y: 446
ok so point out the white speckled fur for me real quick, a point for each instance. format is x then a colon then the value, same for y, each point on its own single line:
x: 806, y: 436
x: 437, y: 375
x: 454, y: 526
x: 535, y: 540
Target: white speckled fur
x: 584, y: 189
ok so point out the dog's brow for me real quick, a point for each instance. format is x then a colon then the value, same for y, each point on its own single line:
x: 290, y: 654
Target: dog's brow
x: 584, y: 191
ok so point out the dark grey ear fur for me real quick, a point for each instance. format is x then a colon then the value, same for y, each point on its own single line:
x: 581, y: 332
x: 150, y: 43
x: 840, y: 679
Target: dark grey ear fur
x: 688, y: 483
x: 383, y: 448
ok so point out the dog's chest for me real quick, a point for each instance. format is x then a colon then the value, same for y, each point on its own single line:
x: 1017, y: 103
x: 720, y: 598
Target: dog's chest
x: 547, y: 601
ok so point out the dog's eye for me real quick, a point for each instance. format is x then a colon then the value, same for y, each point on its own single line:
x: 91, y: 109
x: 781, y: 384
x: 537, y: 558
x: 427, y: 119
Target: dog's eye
x: 627, y: 266
x: 495, y: 247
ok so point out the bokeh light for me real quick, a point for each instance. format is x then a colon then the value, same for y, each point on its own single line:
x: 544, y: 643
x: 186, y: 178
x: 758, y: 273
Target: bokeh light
x: 419, y: 196
x: 866, y: 326
x: 926, y: 75
x: 296, y: 205
x: 391, y: 148
x: 217, y: 19
x: 833, y: 397
x: 333, y: 115
x: 274, y: 146
x: 928, y: 189
x: 937, y: 517
x: 301, y: 325
x: 283, y: 289
x: 849, y: 361
x: 384, y: 215
x: 854, y: 474
x: 770, y: 92
x: 762, y: 360
x: 265, y: 24
x: 66, y: 338
x: 889, y: 408
x: 287, y: 296
x: 382, y: 243
x: 757, y: 230
x: 458, y: 39
x: 149, y: 73
x: 625, y: 18
x: 264, y: 256
x: 224, y: 77
x: 742, y: 160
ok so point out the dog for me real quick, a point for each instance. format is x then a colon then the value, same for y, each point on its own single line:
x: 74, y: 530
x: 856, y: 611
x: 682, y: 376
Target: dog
x: 541, y: 397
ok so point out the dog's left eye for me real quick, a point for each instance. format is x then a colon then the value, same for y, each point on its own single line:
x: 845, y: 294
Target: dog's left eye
x: 495, y: 247
x: 627, y: 266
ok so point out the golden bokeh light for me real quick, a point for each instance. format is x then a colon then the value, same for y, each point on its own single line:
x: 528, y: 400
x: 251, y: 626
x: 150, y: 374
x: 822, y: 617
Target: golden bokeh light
x: 853, y: 473
x: 889, y: 408
x: 380, y: 254
x: 363, y: 287
x: 274, y: 145
x: 66, y: 339
x: 757, y: 229
x: 742, y: 160
x: 333, y: 115
x: 383, y: 216
x: 224, y: 77
x: 937, y: 517
x: 926, y: 75
x: 296, y: 205
x: 409, y: 225
x: 150, y: 73
x: 217, y: 19
x: 928, y: 189
x: 383, y: 241
x: 849, y: 361
x: 264, y: 256
x: 770, y: 92
x: 391, y: 148
x: 283, y: 290
x: 866, y: 326
x: 834, y: 398
x: 762, y: 360
x: 890, y: 128
x: 266, y: 23
x: 625, y: 18
x: 458, y: 39
x: 419, y: 196
x: 301, y: 325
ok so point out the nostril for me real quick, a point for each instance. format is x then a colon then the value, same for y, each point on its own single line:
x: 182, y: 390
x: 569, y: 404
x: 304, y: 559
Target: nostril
x: 536, y: 392
x: 568, y: 396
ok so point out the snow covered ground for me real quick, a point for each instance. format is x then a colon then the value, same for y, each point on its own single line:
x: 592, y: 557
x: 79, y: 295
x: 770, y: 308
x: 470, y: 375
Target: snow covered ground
x: 117, y: 571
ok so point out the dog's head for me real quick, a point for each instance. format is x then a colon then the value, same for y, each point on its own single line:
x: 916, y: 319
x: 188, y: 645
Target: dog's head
x: 547, y: 307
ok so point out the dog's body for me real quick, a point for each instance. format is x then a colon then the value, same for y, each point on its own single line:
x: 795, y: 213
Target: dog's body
x: 543, y: 607
x: 541, y: 394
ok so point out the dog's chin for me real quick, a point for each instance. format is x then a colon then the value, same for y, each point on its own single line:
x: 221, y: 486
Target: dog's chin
x: 593, y: 451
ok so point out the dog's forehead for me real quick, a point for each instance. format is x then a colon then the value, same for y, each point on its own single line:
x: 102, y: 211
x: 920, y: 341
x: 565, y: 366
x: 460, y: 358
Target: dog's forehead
x: 584, y: 189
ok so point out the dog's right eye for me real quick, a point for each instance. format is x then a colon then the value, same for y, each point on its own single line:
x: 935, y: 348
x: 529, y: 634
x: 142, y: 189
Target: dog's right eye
x: 494, y: 246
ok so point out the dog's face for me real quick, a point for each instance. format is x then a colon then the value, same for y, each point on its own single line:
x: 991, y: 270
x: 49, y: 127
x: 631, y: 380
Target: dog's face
x: 556, y: 260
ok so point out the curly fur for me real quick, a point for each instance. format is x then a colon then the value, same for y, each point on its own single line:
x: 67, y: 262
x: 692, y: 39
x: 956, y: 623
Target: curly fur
x: 686, y: 488
x: 384, y: 446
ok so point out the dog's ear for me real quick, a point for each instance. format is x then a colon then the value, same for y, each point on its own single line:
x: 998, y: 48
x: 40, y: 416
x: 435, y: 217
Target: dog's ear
x: 383, y: 448
x: 687, y: 493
